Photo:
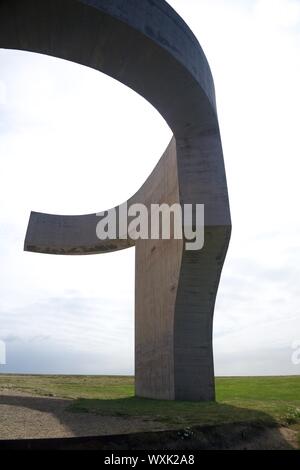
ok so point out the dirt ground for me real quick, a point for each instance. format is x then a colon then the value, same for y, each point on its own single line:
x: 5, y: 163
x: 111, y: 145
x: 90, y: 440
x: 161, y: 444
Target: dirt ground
x: 24, y: 416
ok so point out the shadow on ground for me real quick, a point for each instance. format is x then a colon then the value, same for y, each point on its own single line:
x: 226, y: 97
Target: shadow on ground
x: 111, y: 424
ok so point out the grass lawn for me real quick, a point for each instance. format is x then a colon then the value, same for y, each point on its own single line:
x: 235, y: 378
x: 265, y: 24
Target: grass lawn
x: 271, y: 400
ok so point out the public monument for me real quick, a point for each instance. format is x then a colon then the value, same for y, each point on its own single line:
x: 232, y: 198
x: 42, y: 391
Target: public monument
x: 145, y: 45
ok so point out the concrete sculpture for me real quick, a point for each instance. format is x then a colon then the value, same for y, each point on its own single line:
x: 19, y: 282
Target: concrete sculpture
x: 148, y: 47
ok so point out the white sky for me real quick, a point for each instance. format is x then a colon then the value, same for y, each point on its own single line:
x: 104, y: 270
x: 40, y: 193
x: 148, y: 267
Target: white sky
x: 74, y: 141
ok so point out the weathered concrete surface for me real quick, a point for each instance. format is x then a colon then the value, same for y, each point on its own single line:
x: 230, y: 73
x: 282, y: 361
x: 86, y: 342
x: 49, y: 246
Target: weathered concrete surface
x: 148, y: 47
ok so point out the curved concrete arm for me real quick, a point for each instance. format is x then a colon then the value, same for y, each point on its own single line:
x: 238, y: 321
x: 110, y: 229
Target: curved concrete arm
x: 76, y: 234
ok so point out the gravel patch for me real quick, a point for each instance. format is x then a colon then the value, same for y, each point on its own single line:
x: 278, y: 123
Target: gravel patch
x: 25, y: 416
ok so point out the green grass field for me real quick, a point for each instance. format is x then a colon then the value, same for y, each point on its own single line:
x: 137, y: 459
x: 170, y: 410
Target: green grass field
x: 270, y: 400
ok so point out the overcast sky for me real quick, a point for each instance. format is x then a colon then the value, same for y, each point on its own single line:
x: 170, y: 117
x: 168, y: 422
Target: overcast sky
x: 74, y: 141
